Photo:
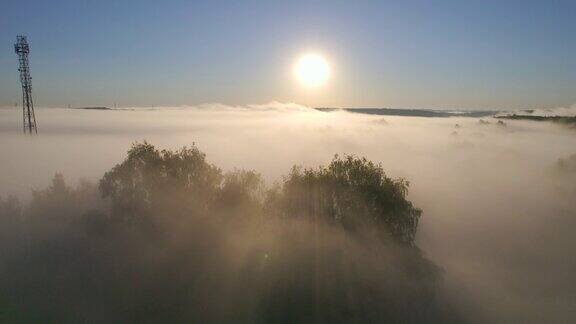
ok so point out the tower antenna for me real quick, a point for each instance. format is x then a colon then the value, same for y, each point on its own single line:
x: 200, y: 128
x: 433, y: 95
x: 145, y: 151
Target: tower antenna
x: 23, y: 49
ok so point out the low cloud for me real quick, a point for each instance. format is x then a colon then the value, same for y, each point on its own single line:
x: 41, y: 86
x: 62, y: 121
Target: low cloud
x: 496, y: 216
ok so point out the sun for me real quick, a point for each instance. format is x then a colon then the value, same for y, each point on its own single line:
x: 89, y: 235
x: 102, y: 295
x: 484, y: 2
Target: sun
x: 312, y: 70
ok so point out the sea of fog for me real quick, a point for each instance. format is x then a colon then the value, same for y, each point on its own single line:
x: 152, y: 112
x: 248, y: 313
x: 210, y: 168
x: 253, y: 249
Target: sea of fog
x: 498, y: 211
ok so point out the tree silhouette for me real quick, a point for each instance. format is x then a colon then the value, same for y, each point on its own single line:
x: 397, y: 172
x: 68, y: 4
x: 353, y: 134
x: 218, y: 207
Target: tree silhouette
x: 354, y: 193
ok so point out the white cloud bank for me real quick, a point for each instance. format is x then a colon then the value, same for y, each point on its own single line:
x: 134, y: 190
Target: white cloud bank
x: 498, y: 216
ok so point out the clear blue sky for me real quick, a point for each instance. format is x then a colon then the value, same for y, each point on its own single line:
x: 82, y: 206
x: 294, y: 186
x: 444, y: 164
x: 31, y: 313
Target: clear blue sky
x: 452, y: 54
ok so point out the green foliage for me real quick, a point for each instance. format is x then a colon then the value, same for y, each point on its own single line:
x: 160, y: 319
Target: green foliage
x: 149, y: 179
x: 350, y: 191
x: 240, y: 194
x: 355, y: 193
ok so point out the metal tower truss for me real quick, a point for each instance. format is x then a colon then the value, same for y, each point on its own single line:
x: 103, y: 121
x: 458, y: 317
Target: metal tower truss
x: 29, y: 119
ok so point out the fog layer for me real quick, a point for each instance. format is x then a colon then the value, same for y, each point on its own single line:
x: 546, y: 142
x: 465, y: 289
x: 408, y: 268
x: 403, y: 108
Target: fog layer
x: 498, y: 200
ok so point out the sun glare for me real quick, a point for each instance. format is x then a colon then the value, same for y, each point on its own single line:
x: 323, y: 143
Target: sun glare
x: 312, y: 70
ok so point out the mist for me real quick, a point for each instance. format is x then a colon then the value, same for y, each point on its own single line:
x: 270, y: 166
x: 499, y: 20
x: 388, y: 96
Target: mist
x: 498, y: 202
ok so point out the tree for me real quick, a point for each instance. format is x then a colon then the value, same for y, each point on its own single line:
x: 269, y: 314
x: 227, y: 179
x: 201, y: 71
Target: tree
x: 354, y: 193
x: 149, y: 180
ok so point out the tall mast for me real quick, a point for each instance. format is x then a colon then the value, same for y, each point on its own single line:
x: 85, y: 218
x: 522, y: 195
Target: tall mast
x: 29, y: 119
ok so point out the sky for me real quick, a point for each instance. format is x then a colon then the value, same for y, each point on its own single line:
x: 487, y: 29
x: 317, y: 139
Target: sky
x: 403, y: 54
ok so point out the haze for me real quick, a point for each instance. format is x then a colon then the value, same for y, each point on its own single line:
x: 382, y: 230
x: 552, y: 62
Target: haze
x: 497, y: 208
